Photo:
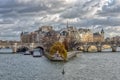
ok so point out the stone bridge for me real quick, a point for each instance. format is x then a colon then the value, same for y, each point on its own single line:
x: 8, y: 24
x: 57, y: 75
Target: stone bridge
x: 98, y: 45
x: 16, y: 46
x: 85, y: 46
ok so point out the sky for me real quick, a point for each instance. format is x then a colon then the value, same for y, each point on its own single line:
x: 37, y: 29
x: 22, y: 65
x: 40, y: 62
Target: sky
x: 28, y: 15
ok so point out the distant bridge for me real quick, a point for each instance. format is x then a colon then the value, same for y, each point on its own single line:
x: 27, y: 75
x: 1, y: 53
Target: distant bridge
x: 98, y: 45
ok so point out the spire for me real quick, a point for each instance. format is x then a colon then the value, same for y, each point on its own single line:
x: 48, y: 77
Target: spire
x: 67, y: 24
x: 21, y: 33
x: 102, y: 31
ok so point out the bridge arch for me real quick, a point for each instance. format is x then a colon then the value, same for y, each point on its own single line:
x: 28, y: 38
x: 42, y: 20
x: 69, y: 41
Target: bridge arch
x: 79, y: 48
x: 105, y: 46
x: 92, y: 48
x: 41, y: 49
x: 22, y: 49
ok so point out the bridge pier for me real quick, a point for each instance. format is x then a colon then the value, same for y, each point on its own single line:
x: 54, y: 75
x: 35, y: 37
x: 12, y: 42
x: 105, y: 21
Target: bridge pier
x: 85, y: 48
x: 99, y: 48
x: 15, y: 48
x: 114, y: 48
x: 32, y: 46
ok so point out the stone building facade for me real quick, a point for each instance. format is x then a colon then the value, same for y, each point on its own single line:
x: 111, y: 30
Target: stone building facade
x: 86, y: 35
x: 99, y: 36
x: 45, y: 36
x: 25, y: 37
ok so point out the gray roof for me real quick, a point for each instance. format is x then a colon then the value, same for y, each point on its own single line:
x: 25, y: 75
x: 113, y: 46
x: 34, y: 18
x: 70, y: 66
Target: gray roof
x: 96, y: 34
x: 24, y: 33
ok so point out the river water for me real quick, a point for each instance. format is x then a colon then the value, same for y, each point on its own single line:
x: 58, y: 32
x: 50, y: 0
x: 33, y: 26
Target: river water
x: 85, y: 66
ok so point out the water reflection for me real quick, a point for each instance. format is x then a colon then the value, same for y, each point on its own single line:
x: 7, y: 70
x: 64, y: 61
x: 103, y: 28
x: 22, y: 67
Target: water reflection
x: 110, y: 50
x: 5, y: 50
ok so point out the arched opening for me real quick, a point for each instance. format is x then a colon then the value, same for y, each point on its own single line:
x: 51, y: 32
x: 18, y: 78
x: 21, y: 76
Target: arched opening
x: 92, y: 48
x: 80, y: 48
x: 106, y: 48
x: 41, y: 49
x: 22, y: 49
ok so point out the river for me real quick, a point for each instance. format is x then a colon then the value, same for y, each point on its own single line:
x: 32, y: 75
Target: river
x: 85, y: 66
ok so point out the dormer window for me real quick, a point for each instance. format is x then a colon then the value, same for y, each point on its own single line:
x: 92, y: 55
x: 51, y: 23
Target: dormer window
x: 49, y: 34
x: 64, y: 33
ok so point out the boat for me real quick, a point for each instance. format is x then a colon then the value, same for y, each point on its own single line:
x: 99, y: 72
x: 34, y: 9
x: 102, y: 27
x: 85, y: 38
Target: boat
x: 57, y: 57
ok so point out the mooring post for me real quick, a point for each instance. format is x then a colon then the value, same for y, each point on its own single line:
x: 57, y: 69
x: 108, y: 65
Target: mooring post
x: 114, y: 48
x: 85, y: 48
x: 99, y: 48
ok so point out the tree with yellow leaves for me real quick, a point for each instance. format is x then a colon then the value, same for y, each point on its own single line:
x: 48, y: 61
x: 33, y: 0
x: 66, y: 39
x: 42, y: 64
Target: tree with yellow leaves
x: 57, y: 46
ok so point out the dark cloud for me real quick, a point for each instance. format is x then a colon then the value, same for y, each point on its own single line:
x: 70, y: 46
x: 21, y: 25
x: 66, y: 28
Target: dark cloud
x: 104, y: 22
x: 110, y: 11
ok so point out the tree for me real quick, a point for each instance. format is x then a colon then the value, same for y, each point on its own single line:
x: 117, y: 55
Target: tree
x: 57, y: 46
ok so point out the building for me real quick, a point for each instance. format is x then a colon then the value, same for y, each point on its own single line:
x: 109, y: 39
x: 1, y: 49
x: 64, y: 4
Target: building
x: 33, y: 37
x: 36, y: 36
x: 86, y: 35
x: 98, y: 36
x: 70, y: 35
x: 107, y: 39
x: 42, y: 32
x: 25, y: 37
x: 115, y: 39
x: 66, y: 36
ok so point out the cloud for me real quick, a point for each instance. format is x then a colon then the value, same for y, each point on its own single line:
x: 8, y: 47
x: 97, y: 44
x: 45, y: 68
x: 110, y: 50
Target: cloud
x: 28, y: 15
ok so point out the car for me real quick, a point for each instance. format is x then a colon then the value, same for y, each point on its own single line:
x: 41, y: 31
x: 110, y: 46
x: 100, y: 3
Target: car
x: 37, y: 53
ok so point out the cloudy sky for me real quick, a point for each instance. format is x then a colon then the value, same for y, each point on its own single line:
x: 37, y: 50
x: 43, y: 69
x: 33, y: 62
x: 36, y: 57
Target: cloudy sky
x: 29, y: 15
